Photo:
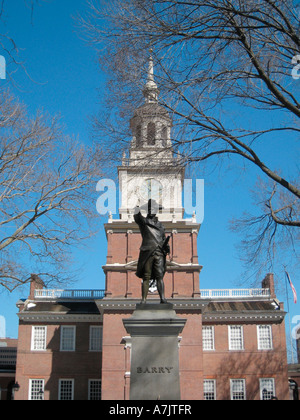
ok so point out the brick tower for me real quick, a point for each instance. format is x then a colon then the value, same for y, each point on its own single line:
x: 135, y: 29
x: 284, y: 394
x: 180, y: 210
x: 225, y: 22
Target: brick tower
x: 151, y: 171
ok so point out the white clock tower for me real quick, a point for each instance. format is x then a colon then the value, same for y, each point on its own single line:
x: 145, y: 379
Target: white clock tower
x: 151, y: 171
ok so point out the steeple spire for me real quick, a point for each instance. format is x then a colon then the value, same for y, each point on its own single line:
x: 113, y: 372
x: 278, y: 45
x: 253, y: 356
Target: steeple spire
x: 151, y: 90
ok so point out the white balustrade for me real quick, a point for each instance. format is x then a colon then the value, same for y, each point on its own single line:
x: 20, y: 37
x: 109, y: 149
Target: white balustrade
x: 215, y: 294
x: 53, y: 294
x: 234, y: 293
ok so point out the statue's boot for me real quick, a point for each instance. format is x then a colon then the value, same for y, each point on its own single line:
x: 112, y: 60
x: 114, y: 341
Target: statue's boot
x: 161, y: 290
x: 145, y: 289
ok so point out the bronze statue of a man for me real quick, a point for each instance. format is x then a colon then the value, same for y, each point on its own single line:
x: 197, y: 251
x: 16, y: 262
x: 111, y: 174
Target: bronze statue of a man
x: 153, y: 251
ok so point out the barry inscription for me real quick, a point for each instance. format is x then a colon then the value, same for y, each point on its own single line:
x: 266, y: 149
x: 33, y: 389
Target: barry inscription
x: 154, y: 369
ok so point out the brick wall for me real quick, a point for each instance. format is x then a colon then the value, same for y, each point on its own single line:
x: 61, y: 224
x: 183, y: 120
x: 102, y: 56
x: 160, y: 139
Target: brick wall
x: 53, y: 364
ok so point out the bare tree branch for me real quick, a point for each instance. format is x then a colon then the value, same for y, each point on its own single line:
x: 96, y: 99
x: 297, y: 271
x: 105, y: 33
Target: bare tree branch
x: 212, y: 58
x: 47, y: 191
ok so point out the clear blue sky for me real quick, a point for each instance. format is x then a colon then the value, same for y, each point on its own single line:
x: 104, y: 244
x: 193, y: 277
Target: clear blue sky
x: 65, y: 79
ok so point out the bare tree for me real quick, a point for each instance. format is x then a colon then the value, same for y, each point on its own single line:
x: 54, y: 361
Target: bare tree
x: 47, y: 194
x: 216, y: 62
x: 9, y: 48
x: 269, y: 236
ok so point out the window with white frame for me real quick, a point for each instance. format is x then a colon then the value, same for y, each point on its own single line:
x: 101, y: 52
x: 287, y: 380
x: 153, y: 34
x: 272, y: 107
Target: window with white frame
x: 236, y: 337
x: 95, y: 338
x: 66, y: 389
x: 38, y: 338
x: 209, y: 389
x: 36, y: 389
x: 94, y: 389
x: 208, y: 340
x: 267, y: 388
x: 67, y: 338
x: 264, y: 337
x: 237, y: 389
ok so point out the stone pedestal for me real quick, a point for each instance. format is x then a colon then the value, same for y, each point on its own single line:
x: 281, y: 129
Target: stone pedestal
x: 154, y: 329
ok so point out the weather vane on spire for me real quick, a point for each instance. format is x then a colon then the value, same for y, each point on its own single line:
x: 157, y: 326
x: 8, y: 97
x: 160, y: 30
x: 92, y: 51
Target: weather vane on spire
x: 151, y: 90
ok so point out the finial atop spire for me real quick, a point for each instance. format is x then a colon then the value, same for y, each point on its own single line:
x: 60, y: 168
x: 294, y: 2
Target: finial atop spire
x: 151, y: 89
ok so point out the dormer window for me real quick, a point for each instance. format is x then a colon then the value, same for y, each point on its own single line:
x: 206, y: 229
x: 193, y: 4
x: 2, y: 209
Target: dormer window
x: 151, y: 134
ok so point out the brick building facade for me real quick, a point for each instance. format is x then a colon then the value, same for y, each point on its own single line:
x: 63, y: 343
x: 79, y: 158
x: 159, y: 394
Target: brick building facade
x: 73, y: 345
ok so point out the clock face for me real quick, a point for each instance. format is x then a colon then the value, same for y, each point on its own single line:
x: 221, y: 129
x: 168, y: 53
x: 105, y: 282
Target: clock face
x: 151, y: 189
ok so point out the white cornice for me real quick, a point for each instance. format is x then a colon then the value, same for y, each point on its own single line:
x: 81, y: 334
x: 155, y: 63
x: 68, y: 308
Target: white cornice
x: 130, y: 304
x: 121, y: 226
x: 240, y: 316
x: 51, y: 317
x: 171, y: 266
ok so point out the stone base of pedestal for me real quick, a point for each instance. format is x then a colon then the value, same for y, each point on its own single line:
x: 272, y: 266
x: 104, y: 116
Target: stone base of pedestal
x: 154, y: 330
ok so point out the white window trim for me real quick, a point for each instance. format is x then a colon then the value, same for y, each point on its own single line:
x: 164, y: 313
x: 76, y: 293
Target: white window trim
x: 258, y: 337
x: 215, y: 387
x: 231, y: 388
x: 90, y: 338
x: 74, y: 337
x: 59, y: 388
x: 30, y: 388
x: 32, y: 337
x: 261, y: 388
x: 213, y: 337
x: 89, y: 387
x: 242, y: 337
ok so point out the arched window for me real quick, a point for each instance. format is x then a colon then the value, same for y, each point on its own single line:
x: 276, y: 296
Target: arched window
x: 151, y: 133
x: 138, y: 136
x: 164, y: 136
